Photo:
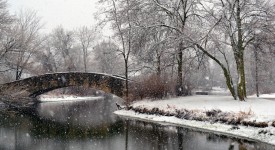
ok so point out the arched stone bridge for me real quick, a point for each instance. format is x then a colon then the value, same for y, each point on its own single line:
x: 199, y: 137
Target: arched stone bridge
x: 36, y: 85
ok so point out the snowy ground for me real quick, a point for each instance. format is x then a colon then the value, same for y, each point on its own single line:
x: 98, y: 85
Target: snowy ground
x: 54, y: 98
x: 253, y: 109
x: 266, y: 96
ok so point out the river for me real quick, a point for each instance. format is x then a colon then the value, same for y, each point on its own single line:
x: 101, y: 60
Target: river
x: 91, y: 125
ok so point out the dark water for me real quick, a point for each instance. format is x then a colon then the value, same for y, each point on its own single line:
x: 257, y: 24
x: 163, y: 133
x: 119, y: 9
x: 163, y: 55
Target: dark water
x: 91, y: 125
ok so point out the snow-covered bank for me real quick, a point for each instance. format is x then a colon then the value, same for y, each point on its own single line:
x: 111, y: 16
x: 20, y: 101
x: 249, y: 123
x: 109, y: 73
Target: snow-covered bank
x: 48, y: 98
x: 253, y: 110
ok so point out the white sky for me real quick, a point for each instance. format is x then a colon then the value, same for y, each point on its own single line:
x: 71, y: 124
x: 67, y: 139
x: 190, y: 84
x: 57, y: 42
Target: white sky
x: 68, y: 13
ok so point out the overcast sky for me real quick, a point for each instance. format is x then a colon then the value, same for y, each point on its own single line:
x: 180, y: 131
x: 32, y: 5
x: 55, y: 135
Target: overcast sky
x: 68, y: 13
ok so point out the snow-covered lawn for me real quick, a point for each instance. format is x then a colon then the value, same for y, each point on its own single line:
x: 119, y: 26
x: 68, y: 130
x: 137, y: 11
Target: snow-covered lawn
x: 254, y: 110
x: 267, y: 96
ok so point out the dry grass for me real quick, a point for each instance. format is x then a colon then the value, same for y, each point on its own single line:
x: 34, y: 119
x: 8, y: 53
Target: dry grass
x: 211, y: 116
x: 245, y: 114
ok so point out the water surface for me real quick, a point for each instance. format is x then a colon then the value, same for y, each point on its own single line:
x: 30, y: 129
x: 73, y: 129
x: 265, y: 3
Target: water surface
x: 91, y: 124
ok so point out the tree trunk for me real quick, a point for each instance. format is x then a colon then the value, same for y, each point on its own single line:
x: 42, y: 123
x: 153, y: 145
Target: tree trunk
x: 241, y: 82
x: 158, y: 66
x: 180, y: 54
x: 85, y: 59
x: 226, y: 72
x: 18, y: 73
x: 229, y: 82
x: 256, y: 73
x: 179, y: 89
x: 241, y: 88
x: 239, y: 54
x: 127, y: 83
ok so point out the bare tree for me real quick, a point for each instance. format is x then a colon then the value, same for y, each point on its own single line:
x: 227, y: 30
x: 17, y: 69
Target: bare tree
x: 262, y: 55
x: 86, y: 38
x: 45, y: 58
x: 121, y: 16
x: 6, y: 42
x: 63, y: 43
x: 179, y: 16
x: 238, y: 20
x: 26, y: 37
x: 106, y: 58
x: 151, y: 47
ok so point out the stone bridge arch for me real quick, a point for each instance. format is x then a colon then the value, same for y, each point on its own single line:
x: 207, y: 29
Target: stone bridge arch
x: 36, y: 85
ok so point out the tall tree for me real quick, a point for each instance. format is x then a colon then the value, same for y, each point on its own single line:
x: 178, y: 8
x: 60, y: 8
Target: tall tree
x: 262, y: 55
x: 26, y: 37
x: 238, y: 20
x: 179, y: 16
x: 86, y: 37
x: 45, y: 58
x: 121, y: 15
x: 63, y: 43
x: 6, y: 42
x: 151, y: 48
x: 107, y: 60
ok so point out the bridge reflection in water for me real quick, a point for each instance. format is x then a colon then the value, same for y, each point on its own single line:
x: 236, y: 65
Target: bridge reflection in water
x: 79, y: 113
x: 82, y: 125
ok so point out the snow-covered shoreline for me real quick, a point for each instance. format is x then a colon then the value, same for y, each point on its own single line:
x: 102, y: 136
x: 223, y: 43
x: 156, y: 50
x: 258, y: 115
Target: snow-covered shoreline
x: 248, y: 133
x: 256, y: 110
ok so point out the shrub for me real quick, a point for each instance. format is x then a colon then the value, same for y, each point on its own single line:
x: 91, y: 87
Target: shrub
x: 151, y: 86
